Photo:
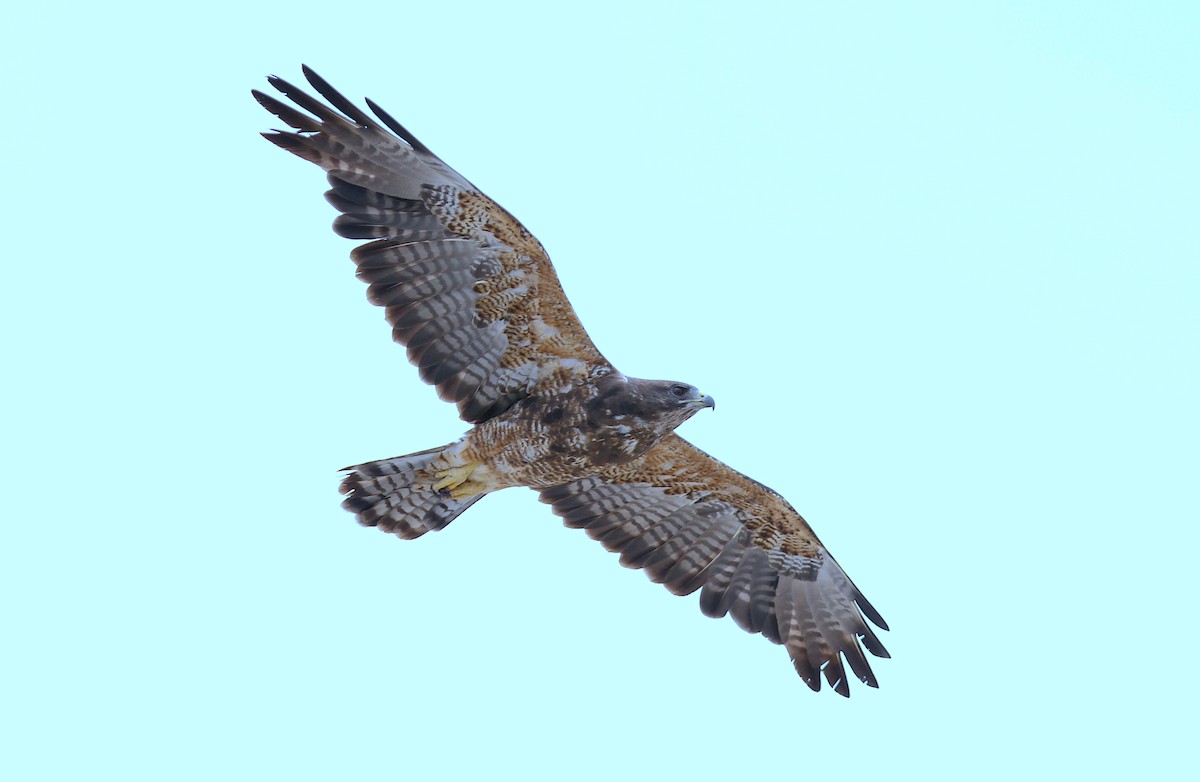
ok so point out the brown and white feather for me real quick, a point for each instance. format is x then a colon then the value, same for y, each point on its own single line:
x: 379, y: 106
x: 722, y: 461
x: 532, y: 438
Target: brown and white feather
x: 473, y: 296
x: 466, y: 287
x: 693, y: 523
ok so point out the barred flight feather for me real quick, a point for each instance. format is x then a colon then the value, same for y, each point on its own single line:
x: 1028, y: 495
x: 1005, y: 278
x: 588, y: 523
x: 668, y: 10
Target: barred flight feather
x: 394, y: 495
x: 475, y: 300
x: 391, y: 188
x: 705, y: 538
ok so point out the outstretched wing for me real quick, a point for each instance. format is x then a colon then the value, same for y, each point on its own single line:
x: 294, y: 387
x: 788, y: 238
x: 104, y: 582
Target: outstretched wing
x: 467, y: 289
x: 694, y: 523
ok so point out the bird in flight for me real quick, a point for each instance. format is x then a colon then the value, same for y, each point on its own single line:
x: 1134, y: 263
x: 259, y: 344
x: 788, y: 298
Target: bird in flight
x: 473, y: 296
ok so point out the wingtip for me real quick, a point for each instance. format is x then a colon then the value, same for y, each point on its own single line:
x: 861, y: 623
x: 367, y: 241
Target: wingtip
x: 869, y: 610
x: 284, y: 86
x: 401, y: 131
x: 262, y: 98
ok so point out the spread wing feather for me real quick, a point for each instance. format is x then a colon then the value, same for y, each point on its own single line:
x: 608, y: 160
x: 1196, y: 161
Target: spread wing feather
x: 693, y: 523
x: 466, y: 287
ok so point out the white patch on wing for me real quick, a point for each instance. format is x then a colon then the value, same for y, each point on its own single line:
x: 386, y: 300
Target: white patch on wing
x: 569, y: 364
x: 541, y: 330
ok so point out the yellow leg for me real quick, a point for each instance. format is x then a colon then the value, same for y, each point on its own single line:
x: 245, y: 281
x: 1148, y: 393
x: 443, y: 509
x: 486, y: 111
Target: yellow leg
x: 454, y: 481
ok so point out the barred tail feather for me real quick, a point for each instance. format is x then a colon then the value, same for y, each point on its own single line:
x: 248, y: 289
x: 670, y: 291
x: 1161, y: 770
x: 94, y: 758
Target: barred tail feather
x: 397, y: 495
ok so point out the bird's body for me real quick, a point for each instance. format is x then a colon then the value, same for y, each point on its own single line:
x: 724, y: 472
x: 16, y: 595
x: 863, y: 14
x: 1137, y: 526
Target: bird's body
x: 549, y: 439
x: 473, y: 296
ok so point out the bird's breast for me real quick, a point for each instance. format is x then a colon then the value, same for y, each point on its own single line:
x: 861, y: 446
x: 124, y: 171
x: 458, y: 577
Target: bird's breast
x: 556, y: 440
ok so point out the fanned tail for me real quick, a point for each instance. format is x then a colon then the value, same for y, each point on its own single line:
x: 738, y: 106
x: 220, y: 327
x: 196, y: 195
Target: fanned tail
x: 397, y: 495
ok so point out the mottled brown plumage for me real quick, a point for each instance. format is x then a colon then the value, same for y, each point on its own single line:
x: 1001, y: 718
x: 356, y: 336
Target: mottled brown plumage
x: 473, y: 296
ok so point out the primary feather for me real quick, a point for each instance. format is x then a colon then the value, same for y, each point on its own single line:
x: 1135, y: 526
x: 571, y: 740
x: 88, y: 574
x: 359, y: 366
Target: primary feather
x: 474, y: 297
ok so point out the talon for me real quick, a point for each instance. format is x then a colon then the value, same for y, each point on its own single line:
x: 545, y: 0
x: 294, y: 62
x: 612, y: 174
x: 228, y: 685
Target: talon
x: 464, y: 491
x: 453, y: 479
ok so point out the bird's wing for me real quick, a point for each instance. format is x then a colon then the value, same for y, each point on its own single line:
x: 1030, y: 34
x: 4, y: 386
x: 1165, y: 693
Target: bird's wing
x: 694, y: 523
x: 467, y: 288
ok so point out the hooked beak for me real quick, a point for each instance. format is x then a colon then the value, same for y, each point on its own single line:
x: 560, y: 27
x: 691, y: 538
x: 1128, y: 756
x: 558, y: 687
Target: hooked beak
x: 706, y: 401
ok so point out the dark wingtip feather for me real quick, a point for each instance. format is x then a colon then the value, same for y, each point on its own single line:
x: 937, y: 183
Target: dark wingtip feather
x: 873, y: 644
x: 339, y: 101
x: 306, y: 101
x: 859, y: 665
x: 292, y: 143
x: 397, y: 128
x: 279, y: 83
x: 809, y: 677
x: 285, y: 112
x: 869, y: 610
x: 835, y: 674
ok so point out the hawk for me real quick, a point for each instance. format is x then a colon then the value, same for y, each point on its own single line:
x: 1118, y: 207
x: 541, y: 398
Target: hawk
x: 473, y: 296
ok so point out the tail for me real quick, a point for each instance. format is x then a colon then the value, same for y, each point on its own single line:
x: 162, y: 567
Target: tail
x: 397, y: 495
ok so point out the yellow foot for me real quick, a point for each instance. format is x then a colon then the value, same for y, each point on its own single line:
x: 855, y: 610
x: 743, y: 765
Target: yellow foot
x: 453, y: 482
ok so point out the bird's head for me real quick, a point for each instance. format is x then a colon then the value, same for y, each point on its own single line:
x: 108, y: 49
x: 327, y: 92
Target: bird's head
x: 676, y: 399
x: 661, y: 405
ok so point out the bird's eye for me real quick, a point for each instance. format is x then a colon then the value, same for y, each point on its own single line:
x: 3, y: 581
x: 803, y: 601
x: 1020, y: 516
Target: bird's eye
x: 679, y: 390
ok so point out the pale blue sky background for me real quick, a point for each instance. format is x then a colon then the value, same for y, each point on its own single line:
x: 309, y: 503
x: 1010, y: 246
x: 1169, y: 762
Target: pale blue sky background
x: 937, y: 263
